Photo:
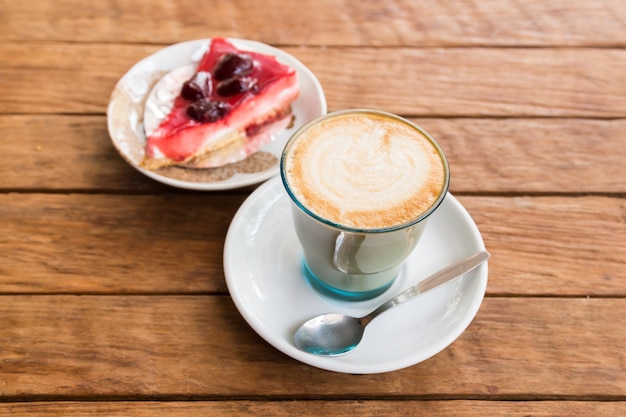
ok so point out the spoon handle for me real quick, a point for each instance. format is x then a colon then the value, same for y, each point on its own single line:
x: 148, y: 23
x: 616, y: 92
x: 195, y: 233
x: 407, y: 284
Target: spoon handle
x: 440, y: 277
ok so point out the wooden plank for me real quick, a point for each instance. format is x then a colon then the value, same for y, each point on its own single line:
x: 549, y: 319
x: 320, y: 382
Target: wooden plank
x: 52, y: 152
x: 174, y: 243
x: 114, y: 243
x: 151, y: 347
x: 485, y: 155
x: 533, y: 155
x: 326, y: 22
x: 553, y: 245
x: 63, y: 78
x: 319, y: 408
x: 498, y: 82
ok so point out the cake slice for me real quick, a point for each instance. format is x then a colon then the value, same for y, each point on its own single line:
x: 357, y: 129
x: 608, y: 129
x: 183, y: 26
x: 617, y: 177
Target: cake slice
x: 225, y: 111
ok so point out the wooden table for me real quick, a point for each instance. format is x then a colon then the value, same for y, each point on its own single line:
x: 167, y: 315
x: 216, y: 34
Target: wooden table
x: 112, y: 291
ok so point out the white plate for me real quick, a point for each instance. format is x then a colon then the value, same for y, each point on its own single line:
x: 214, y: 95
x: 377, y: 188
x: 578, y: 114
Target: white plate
x: 126, y: 108
x: 262, y: 259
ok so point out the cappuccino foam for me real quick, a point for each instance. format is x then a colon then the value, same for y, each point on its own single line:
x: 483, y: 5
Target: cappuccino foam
x: 365, y: 170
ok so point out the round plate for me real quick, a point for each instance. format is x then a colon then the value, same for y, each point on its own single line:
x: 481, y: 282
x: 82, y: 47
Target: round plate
x: 262, y: 265
x: 126, y: 109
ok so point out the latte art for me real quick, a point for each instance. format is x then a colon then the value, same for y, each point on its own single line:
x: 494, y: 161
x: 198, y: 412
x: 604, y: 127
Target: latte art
x: 365, y: 170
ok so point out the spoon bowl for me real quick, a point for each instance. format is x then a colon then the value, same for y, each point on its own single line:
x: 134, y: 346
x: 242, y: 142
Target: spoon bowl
x: 340, y: 334
x: 337, y: 334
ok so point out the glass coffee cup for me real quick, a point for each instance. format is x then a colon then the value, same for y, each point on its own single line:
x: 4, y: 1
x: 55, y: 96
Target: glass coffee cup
x: 363, y: 184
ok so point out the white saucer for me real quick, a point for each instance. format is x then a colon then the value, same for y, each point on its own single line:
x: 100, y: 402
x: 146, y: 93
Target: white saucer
x: 262, y: 265
x: 126, y: 108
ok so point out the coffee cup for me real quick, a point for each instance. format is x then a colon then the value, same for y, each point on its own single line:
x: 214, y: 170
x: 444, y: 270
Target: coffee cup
x: 363, y: 184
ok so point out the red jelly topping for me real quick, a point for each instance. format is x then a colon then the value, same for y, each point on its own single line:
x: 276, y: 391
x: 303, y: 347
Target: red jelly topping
x: 237, y: 77
x: 230, y: 89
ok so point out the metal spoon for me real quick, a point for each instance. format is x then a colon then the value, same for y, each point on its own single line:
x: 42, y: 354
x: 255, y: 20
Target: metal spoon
x: 336, y: 334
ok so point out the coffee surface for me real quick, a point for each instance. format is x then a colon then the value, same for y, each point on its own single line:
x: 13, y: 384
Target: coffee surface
x: 365, y: 170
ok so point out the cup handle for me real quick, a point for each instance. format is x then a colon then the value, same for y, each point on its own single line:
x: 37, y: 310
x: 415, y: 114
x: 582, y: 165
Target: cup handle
x: 347, y: 246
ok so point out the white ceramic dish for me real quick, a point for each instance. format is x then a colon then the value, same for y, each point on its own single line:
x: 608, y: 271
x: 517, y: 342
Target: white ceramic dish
x: 262, y: 265
x: 126, y: 109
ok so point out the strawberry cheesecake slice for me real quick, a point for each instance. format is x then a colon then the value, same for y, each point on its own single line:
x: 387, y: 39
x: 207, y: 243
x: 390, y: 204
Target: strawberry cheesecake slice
x: 230, y: 106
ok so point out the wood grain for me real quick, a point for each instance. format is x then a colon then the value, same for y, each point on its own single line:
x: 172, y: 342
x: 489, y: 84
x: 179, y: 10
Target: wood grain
x: 113, y: 243
x: 477, y: 82
x: 325, y: 22
x: 520, y: 155
x: 553, y: 245
x: 112, y: 291
x: 90, y: 347
x: 339, y: 408
x: 174, y: 243
x: 533, y: 155
x: 64, y: 153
